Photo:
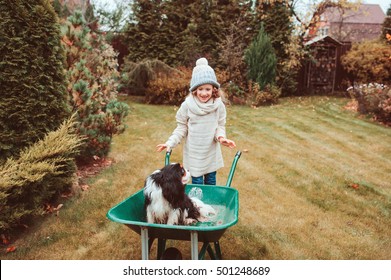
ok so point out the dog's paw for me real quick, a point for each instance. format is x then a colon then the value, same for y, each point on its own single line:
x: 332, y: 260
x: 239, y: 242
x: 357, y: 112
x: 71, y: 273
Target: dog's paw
x: 190, y: 221
x: 203, y: 219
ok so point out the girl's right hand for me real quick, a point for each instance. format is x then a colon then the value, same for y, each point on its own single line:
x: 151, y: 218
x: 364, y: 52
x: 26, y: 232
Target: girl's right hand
x: 161, y: 147
x: 226, y: 142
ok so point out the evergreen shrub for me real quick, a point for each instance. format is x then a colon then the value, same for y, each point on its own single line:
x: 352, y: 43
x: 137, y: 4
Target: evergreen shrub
x: 261, y: 60
x: 32, y: 82
x: 92, y: 84
x: 40, y: 173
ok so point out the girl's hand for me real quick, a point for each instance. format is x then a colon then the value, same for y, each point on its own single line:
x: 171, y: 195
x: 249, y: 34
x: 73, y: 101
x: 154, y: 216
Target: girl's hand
x: 226, y: 142
x: 161, y: 147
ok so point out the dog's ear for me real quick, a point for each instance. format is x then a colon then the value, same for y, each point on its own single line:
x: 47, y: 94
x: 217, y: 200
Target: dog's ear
x: 172, y: 187
x: 157, y: 176
x: 171, y: 172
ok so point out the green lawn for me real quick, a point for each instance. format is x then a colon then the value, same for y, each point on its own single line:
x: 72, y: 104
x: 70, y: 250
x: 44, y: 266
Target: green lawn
x: 314, y: 182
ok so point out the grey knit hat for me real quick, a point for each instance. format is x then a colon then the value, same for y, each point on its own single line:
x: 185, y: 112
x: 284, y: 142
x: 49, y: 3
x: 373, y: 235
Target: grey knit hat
x: 203, y: 74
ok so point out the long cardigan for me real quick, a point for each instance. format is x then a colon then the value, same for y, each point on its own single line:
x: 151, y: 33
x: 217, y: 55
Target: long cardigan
x: 200, y: 124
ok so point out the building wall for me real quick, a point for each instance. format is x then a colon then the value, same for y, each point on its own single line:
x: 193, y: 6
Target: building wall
x: 354, y: 32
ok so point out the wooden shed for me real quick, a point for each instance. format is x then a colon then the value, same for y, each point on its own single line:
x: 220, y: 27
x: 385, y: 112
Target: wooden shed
x: 322, y: 73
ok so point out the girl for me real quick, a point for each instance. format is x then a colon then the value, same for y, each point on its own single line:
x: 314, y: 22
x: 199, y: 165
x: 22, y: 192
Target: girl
x: 201, y: 122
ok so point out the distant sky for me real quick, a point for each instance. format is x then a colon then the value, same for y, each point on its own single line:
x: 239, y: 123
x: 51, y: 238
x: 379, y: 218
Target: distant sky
x: 384, y: 4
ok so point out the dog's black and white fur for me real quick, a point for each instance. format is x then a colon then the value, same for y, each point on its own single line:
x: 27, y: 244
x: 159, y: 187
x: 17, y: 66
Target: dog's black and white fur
x: 166, y: 201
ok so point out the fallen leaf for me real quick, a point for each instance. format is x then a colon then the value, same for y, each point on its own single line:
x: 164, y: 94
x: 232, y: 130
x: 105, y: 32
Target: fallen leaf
x: 11, y: 249
x: 66, y: 194
x: 48, y: 208
x: 4, y: 239
x: 355, y: 186
x: 67, y: 41
x: 58, y: 207
x: 84, y: 187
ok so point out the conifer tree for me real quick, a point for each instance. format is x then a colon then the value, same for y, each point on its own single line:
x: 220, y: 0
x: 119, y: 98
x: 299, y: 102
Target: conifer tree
x: 276, y: 18
x: 215, y: 22
x: 238, y: 36
x: 92, y: 72
x: 261, y: 60
x: 143, y: 33
x: 179, y: 31
x: 32, y: 83
x: 180, y: 40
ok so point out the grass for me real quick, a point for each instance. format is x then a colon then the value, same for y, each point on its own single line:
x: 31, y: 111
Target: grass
x: 314, y: 182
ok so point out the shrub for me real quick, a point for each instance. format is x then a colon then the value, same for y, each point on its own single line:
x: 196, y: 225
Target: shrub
x: 261, y: 60
x: 369, y: 62
x: 373, y: 99
x: 169, y: 89
x: 172, y: 89
x: 235, y: 93
x: 386, y: 28
x: 269, y: 95
x: 39, y: 174
x: 92, y: 84
x: 33, y: 95
x: 136, y: 77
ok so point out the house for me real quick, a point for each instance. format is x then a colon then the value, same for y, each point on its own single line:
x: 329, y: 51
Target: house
x: 363, y: 22
x: 330, y: 39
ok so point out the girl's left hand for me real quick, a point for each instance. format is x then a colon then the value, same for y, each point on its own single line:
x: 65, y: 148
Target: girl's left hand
x: 226, y: 142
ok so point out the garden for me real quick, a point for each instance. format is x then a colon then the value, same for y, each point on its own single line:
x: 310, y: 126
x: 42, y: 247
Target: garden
x: 80, y: 118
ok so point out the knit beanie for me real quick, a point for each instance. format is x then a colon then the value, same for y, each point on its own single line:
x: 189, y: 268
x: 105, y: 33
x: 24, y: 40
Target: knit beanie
x: 203, y: 74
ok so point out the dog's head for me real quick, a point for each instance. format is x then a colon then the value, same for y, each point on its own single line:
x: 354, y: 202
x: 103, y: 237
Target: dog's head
x: 171, y: 179
x: 173, y: 172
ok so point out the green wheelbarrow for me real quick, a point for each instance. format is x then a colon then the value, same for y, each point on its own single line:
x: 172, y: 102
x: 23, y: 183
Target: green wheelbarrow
x: 225, y: 199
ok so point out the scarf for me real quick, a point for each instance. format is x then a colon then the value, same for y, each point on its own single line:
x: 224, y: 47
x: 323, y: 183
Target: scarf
x: 199, y: 108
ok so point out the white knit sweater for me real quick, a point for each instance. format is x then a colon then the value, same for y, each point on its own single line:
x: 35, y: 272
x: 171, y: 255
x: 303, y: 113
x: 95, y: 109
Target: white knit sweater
x: 200, y: 124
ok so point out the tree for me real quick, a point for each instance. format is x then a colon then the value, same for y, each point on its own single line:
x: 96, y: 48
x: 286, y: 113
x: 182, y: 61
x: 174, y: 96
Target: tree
x: 178, y: 32
x: 32, y: 82
x: 369, y: 62
x: 113, y: 20
x: 276, y: 18
x: 386, y: 29
x: 92, y: 73
x: 261, y: 60
x: 231, y: 50
x: 142, y: 34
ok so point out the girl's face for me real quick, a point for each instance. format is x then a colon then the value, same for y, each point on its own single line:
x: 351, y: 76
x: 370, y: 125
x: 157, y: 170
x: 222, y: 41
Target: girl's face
x: 204, y: 92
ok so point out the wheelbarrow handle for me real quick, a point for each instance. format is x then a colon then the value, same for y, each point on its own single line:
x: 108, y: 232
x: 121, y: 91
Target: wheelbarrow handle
x: 167, y: 159
x: 233, y: 167
x: 231, y: 172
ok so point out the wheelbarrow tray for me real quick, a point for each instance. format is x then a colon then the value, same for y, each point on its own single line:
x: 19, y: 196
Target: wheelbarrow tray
x: 131, y: 212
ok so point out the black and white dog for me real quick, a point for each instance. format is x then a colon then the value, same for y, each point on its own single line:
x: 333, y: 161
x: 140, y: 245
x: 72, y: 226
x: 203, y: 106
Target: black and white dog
x: 166, y: 201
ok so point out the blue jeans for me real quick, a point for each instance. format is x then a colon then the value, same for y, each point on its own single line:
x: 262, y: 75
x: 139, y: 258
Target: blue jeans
x: 207, y: 179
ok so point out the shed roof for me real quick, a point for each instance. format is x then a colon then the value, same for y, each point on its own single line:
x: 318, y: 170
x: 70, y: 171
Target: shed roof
x: 325, y: 38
